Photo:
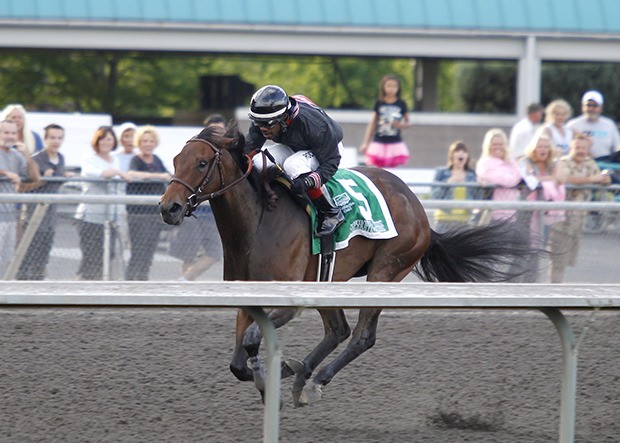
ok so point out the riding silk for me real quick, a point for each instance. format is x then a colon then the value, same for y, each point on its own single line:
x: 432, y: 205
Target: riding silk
x: 363, y: 206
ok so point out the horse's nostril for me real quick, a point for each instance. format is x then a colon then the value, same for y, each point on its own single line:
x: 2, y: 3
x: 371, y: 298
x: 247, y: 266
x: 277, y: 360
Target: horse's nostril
x: 175, y: 208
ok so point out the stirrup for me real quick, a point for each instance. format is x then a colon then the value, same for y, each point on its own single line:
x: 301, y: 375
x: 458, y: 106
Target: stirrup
x: 329, y: 223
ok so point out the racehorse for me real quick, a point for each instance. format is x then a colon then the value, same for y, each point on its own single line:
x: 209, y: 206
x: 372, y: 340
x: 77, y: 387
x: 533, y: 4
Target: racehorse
x: 274, y: 245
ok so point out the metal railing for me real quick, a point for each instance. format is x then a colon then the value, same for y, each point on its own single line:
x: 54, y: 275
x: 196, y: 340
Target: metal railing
x: 609, y: 209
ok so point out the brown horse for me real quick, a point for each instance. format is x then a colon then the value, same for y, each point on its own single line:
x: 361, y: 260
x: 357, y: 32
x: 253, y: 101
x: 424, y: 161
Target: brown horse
x: 274, y: 245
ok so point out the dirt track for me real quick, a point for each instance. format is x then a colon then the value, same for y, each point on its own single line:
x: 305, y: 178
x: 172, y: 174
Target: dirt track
x: 162, y: 376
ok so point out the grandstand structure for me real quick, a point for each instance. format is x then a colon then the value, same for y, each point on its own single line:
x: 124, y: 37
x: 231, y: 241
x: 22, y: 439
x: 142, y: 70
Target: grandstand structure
x: 528, y: 32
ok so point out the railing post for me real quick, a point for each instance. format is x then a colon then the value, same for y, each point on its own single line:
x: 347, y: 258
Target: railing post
x: 569, y: 374
x: 271, y: 426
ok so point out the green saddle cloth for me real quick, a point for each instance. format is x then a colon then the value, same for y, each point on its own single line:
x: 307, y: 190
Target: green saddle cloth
x: 364, y: 208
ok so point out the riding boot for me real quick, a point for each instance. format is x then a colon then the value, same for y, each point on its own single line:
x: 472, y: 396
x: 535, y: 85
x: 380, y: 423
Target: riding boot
x: 329, y: 215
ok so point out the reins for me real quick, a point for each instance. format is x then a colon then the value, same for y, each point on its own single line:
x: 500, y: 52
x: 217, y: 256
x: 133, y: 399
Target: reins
x: 197, y: 195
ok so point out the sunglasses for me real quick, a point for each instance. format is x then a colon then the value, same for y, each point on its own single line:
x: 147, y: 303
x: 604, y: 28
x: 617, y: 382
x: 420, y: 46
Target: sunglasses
x: 591, y: 105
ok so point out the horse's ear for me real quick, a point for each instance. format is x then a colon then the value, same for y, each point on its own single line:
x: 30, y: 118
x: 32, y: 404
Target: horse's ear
x: 232, y: 128
x: 233, y: 138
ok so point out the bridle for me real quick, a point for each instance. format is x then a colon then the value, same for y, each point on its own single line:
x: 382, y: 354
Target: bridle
x: 197, y: 196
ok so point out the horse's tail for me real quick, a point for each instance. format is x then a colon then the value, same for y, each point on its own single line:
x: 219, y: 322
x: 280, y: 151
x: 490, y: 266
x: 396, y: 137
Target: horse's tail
x: 496, y: 252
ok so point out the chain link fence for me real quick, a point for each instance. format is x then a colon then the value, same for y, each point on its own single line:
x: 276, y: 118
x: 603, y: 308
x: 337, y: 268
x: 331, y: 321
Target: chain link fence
x: 134, y: 244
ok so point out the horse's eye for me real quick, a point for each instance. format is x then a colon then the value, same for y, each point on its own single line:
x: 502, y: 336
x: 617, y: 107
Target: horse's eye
x: 202, y: 164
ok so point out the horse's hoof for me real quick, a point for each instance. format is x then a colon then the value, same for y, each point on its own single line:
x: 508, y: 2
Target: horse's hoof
x: 311, y: 394
x: 297, y: 399
x: 242, y: 373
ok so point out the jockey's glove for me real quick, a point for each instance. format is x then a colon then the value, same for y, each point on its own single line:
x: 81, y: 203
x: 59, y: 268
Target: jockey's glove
x: 302, y: 183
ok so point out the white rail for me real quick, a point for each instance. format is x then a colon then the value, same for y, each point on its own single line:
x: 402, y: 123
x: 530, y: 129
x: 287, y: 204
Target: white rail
x: 256, y: 296
x: 604, y: 206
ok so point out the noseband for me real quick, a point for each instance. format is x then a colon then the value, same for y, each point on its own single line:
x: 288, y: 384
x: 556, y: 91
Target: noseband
x: 197, y: 195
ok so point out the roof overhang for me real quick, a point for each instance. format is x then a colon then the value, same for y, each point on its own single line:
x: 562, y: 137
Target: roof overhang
x: 305, y: 40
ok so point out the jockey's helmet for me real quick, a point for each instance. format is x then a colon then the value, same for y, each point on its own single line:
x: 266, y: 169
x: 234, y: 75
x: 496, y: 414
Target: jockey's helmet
x: 269, y: 105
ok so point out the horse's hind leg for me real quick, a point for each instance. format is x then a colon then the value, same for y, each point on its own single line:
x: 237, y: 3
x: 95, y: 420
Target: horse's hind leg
x: 238, y: 365
x: 337, y: 330
x: 363, y: 338
x: 250, y: 339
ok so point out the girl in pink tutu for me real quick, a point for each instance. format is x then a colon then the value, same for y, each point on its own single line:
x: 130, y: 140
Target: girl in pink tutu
x: 387, y: 148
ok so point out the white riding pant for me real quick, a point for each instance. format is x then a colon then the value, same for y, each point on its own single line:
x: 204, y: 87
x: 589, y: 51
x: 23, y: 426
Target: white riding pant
x: 293, y: 163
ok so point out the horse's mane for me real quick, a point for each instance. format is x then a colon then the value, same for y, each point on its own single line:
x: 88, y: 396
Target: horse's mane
x: 234, y: 142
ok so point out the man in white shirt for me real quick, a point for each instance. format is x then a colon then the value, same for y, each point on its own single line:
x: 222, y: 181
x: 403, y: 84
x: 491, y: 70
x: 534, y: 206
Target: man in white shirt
x: 523, y: 131
x: 602, y: 131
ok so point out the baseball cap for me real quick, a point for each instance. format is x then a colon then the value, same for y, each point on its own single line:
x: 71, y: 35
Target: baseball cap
x: 595, y: 96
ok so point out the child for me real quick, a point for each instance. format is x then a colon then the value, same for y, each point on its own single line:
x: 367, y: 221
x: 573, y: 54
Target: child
x: 387, y: 148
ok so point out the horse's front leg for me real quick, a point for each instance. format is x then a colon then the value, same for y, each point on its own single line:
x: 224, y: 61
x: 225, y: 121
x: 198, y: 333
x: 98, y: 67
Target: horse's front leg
x: 336, y: 331
x: 363, y: 338
x: 251, y: 343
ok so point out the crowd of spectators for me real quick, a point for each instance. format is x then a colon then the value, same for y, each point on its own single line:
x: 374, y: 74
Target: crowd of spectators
x: 540, y: 159
x: 535, y: 163
x: 122, y: 161
x: 529, y: 164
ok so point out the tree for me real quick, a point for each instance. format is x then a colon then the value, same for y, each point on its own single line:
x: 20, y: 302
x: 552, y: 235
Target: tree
x: 570, y: 80
x: 488, y: 87
x: 159, y: 85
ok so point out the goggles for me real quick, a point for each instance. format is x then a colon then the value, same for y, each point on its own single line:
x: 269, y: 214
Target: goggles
x: 266, y: 123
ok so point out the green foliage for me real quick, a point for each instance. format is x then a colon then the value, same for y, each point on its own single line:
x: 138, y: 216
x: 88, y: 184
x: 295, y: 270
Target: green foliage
x: 450, y: 99
x: 159, y: 85
x: 570, y: 80
x: 488, y: 87
x: 330, y: 82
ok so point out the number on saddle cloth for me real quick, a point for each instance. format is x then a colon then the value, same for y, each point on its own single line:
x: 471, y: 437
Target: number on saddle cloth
x: 364, y: 209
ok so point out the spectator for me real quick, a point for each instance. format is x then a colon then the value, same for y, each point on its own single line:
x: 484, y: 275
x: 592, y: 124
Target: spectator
x: 523, y: 131
x: 540, y: 174
x: 557, y: 114
x: 602, y: 131
x: 197, y: 242
x: 144, y: 221
x: 125, y: 135
x: 51, y: 163
x: 577, y: 169
x: 458, y: 170
x: 16, y: 113
x: 496, y: 168
x: 387, y: 148
x: 16, y: 166
x: 92, y: 218
x: 215, y: 120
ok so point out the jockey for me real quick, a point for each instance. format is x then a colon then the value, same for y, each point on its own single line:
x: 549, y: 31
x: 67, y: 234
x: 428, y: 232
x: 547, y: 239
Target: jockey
x: 314, y: 138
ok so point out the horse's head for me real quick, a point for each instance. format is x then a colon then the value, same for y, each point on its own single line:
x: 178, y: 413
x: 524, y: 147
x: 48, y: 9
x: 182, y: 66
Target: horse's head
x: 203, y: 170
